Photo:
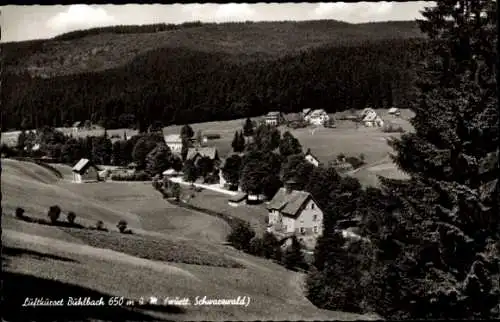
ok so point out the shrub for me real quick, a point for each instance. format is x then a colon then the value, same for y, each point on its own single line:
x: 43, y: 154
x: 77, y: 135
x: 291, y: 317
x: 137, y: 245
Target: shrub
x: 54, y: 213
x: 392, y: 128
x: 240, y: 236
x: 138, y: 176
x: 122, y: 226
x: 99, y: 225
x: 355, y: 162
x: 19, y: 212
x: 293, y: 257
x: 71, y: 216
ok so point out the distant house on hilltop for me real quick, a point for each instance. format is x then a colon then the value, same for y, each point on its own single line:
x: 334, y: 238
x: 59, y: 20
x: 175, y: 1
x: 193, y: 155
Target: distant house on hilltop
x: 311, y: 158
x: 174, y: 142
x: 370, y: 118
x: 294, y: 212
x: 274, y: 118
x: 85, y: 171
x: 394, y: 111
x: 77, y: 126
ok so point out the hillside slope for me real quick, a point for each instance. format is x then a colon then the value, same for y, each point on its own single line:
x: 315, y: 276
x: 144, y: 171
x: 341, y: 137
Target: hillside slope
x: 104, y: 48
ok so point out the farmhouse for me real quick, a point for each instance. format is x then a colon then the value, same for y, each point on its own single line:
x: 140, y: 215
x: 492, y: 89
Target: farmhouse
x: 370, y: 118
x: 317, y: 117
x: 196, y: 154
x: 85, y: 171
x: 294, y: 212
x: 274, y: 118
x: 77, y: 126
x: 174, y: 142
x: 311, y: 158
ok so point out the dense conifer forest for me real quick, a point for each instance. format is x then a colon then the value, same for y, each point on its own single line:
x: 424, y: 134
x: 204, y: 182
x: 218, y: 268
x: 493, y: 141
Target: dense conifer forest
x: 183, y: 85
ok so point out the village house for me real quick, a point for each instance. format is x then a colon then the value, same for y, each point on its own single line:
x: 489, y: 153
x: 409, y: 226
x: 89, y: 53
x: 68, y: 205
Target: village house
x: 394, y: 111
x: 294, y: 212
x: 170, y: 173
x: 274, y: 118
x: 174, y: 142
x: 85, y: 171
x: 317, y: 117
x: 77, y: 126
x: 311, y: 158
x: 370, y: 118
x: 195, y: 154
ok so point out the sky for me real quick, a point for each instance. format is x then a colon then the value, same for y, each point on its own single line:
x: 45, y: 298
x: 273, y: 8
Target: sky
x: 35, y: 22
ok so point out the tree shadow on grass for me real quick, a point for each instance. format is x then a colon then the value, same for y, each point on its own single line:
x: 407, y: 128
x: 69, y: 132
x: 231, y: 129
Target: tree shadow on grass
x: 17, y: 287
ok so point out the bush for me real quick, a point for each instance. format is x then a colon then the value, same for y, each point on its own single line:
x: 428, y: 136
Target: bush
x: 138, y: 176
x: 54, y: 213
x: 392, y: 128
x: 293, y: 258
x: 19, y: 212
x: 99, y: 225
x: 122, y: 226
x: 71, y: 216
x: 240, y: 236
x: 355, y: 162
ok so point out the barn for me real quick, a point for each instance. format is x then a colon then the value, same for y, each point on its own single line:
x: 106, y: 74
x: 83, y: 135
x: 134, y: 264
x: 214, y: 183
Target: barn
x: 85, y: 171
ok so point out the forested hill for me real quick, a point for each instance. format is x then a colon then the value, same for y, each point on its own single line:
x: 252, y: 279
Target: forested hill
x: 184, y: 83
x: 103, y: 48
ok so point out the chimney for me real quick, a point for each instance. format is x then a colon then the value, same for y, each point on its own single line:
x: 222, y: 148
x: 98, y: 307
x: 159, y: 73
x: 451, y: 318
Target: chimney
x: 289, y: 185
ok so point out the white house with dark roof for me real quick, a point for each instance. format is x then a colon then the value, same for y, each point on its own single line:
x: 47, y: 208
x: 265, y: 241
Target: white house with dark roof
x: 311, y: 158
x: 85, y: 171
x: 174, y: 142
x: 317, y: 117
x: 274, y: 118
x: 294, y: 212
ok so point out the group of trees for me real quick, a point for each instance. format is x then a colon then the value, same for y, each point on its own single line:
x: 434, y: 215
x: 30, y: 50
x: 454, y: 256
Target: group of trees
x: 244, y: 238
x: 159, y: 86
x: 431, y: 244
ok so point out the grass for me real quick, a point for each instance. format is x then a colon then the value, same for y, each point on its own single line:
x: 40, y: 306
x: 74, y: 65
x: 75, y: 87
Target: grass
x: 243, y: 41
x: 218, y: 202
x: 153, y: 248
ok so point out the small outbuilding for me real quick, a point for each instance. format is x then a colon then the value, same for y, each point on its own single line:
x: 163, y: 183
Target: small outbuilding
x: 237, y: 199
x: 85, y: 171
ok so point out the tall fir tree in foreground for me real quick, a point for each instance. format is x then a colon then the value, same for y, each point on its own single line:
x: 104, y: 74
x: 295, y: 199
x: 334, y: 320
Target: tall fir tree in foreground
x: 438, y: 255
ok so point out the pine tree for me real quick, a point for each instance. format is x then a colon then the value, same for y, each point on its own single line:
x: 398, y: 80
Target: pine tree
x: 235, y: 144
x: 445, y: 245
x: 242, y: 142
x: 248, y: 128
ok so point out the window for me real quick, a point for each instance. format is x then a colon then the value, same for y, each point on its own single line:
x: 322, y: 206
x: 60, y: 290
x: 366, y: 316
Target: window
x: 315, y: 229
x: 284, y: 227
x: 315, y: 217
x: 312, y: 206
x: 302, y: 230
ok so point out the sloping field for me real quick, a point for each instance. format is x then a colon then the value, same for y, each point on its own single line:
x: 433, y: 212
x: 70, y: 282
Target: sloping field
x: 35, y: 189
x: 271, y: 288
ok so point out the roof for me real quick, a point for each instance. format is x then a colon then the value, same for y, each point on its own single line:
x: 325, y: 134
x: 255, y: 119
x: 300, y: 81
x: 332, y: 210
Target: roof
x: 317, y: 112
x: 173, y: 138
x: 77, y: 124
x: 393, y: 110
x: 204, y: 152
x: 293, y: 117
x: 306, y: 111
x: 169, y: 172
x: 273, y: 114
x: 82, y: 165
x: 289, y: 203
x: 370, y: 117
x: 238, y: 197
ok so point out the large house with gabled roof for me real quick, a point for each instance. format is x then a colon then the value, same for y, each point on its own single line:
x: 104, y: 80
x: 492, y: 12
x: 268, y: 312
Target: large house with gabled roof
x: 294, y: 212
x: 85, y: 171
